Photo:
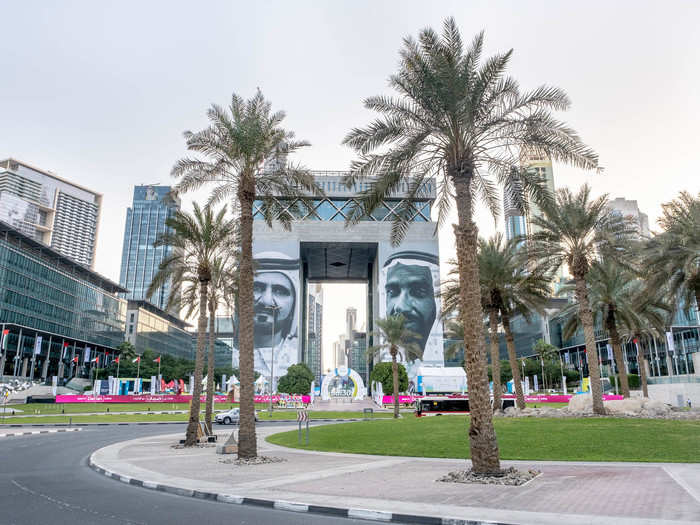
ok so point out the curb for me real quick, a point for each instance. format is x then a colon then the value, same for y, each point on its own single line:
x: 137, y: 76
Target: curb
x: 363, y: 514
x: 41, y: 432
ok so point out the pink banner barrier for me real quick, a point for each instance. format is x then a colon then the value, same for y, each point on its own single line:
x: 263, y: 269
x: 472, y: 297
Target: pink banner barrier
x: 168, y: 398
x: 389, y: 400
x: 551, y: 398
x: 559, y: 398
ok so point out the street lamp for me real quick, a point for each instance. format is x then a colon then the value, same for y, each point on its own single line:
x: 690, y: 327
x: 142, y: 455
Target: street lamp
x: 274, y: 309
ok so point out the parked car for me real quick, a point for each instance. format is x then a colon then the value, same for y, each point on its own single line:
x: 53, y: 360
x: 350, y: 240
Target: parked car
x: 231, y: 417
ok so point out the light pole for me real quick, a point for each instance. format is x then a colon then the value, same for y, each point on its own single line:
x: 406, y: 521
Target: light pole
x: 274, y: 309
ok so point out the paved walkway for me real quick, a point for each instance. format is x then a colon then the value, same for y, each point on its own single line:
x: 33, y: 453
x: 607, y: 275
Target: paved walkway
x: 566, y: 492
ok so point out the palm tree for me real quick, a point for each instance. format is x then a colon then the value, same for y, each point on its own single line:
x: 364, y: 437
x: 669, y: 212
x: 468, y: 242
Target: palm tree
x: 196, y: 240
x: 512, y: 289
x: 463, y: 123
x: 574, y: 231
x: 508, y: 288
x: 455, y: 329
x: 395, y: 336
x: 614, y: 293
x: 673, y: 257
x: 651, y: 316
x: 245, y: 151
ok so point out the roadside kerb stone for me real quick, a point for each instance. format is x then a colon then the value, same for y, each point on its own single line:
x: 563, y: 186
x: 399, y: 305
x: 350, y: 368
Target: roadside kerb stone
x: 34, y: 432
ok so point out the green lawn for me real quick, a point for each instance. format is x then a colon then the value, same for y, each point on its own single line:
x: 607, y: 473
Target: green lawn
x: 115, y: 417
x: 588, y: 439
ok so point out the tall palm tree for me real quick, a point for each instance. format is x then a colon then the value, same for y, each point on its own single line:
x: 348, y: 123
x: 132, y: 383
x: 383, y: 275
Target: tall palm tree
x: 651, y: 316
x: 575, y: 231
x: 455, y: 329
x: 618, y: 299
x: 512, y: 289
x: 393, y: 333
x: 673, y: 257
x: 243, y: 153
x: 508, y: 288
x: 196, y: 240
x: 462, y: 121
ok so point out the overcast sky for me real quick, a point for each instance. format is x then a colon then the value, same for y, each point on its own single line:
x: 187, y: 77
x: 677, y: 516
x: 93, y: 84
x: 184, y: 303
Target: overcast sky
x: 100, y: 92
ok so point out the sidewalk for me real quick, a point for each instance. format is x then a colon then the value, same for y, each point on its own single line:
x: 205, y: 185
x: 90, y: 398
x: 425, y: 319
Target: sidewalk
x: 404, y: 489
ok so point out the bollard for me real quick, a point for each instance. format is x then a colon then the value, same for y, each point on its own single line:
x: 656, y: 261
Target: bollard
x: 70, y: 421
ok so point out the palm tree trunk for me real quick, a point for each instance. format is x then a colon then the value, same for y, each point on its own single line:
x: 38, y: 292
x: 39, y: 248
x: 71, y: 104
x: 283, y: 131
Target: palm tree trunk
x: 482, y: 436
x: 395, y: 378
x: 247, y: 441
x: 517, y: 380
x: 617, y: 352
x: 586, y: 316
x: 191, y: 435
x: 210, y: 367
x: 642, y: 361
x: 495, y: 361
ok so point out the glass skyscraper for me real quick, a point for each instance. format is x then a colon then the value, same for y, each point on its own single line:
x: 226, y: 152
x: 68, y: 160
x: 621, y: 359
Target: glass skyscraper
x: 145, y: 221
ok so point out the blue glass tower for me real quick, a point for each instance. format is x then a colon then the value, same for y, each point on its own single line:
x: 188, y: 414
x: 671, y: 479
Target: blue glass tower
x: 145, y: 220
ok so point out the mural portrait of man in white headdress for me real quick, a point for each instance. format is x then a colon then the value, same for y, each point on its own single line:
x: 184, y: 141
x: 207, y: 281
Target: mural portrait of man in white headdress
x: 409, y: 285
x: 275, y: 306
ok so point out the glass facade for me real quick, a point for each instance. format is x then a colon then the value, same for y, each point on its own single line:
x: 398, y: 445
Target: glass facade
x: 41, y: 295
x: 338, y: 209
x: 160, y: 335
x: 515, y: 226
x: 315, y: 335
x: 145, y: 221
x: 54, y: 310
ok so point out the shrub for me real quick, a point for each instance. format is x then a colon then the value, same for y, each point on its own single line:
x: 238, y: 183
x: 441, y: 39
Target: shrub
x: 382, y: 373
x: 297, y: 380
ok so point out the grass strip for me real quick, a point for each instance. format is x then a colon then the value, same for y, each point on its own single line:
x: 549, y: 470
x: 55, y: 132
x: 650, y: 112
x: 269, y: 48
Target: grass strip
x: 116, y: 417
x: 586, y: 439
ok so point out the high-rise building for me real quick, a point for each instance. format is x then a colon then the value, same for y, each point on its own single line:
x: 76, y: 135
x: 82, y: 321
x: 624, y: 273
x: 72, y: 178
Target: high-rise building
x: 145, y: 221
x: 51, y: 210
x: 350, y: 320
x: 517, y: 222
x: 315, y: 330
x: 630, y: 210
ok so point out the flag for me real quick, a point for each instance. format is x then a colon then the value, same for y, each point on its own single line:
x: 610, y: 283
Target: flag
x: 5, y: 333
x: 64, y: 350
x: 75, y: 359
x: 567, y: 359
x: 116, y: 360
x: 610, y: 352
x: 96, y: 359
x: 157, y: 360
x: 136, y: 359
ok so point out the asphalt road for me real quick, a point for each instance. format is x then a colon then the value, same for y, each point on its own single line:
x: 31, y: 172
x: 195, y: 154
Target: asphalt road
x: 45, y: 479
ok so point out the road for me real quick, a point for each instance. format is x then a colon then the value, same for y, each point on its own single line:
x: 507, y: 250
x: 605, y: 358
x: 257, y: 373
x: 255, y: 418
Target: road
x: 44, y: 479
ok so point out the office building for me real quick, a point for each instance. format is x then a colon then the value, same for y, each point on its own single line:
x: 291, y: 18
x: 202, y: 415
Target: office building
x: 51, y: 210
x: 630, y: 210
x: 517, y: 222
x: 314, y: 348
x: 54, y: 310
x: 150, y: 328
x: 145, y: 221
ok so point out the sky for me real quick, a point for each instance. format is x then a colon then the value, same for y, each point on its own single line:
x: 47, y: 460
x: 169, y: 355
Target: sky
x: 100, y: 92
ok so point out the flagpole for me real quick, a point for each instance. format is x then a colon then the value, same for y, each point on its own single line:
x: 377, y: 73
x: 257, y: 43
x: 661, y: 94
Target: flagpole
x: 138, y: 367
x: 118, y: 367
